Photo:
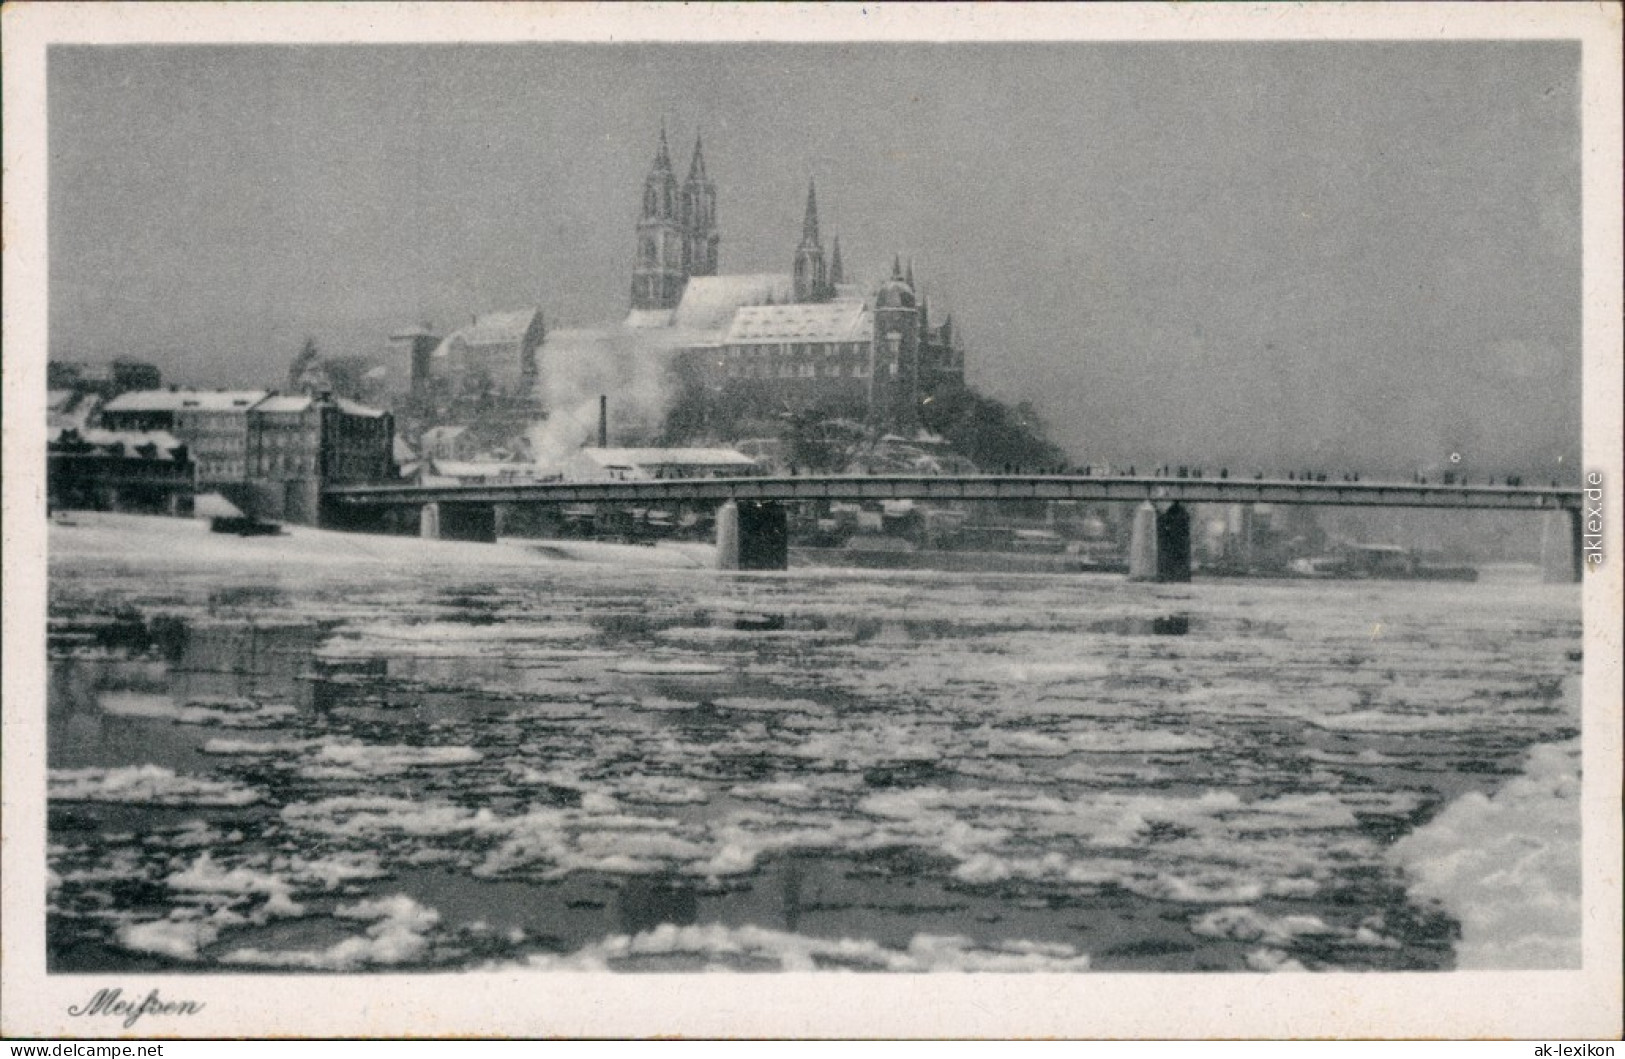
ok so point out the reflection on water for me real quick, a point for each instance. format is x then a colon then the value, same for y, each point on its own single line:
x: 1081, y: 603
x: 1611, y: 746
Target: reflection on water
x: 645, y: 903
x: 1163, y: 625
x: 443, y: 773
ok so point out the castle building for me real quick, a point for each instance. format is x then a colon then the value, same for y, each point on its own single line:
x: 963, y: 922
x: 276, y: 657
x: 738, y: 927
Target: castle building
x: 741, y: 345
x: 762, y: 343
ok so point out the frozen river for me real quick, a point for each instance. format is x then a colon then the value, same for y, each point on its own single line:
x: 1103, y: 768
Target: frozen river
x: 468, y: 764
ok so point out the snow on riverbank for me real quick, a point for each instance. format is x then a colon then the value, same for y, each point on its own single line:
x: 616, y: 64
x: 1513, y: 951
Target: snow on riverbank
x: 104, y: 536
x: 1508, y: 867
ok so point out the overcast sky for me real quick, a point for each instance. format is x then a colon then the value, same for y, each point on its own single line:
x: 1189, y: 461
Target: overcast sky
x: 1342, y: 255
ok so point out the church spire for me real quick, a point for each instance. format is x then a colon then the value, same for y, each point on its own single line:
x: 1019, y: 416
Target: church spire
x: 809, y: 279
x: 658, y: 272
x: 663, y: 156
x: 699, y: 218
x: 908, y: 277
x: 809, y: 223
x: 696, y: 168
x: 837, y: 275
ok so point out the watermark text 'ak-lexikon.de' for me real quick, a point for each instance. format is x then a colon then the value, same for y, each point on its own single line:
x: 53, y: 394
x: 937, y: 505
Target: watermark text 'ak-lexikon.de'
x: 1591, y: 524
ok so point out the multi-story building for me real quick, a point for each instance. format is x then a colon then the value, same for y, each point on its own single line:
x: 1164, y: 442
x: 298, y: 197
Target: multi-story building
x: 212, y: 423
x: 297, y: 443
x: 494, y: 356
x: 149, y: 472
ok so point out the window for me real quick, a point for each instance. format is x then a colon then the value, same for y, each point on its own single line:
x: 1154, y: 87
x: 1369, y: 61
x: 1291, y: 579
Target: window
x: 808, y: 369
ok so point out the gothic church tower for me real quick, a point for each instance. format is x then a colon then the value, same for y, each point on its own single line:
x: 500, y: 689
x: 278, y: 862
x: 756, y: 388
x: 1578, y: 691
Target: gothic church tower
x: 699, y: 217
x: 658, y: 276
x: 810, y: 281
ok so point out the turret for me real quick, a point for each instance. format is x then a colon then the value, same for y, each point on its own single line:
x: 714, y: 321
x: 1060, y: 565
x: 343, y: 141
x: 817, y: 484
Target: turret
x: 895, y: 374
x: 811, y: 283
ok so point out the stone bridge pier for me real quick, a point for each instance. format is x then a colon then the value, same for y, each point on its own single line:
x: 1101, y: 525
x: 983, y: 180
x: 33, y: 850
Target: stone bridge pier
x: 1161, y: 546
x: 753, y: 535
x: 1562, y: 552
x: 460, y: 521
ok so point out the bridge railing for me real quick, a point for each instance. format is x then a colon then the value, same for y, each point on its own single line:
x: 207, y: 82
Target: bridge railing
x: 1087, y: 487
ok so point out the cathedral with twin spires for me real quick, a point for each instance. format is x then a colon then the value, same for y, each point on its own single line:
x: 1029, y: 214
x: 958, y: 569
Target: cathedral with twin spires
x: 762, y: 343
x: 677, y: 231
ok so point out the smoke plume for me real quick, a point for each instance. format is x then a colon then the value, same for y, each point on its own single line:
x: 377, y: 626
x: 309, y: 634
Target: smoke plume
x: 632, y: 367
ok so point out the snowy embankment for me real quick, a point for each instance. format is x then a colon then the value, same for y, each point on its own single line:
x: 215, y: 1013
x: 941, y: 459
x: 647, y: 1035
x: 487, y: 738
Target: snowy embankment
x: 103, y: 536
x: 1508, y: 867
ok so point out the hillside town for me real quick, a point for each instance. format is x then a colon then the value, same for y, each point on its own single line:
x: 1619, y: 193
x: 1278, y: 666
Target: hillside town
x: 709, y: 374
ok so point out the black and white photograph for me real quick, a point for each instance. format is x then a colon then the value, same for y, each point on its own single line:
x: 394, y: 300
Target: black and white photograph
x: 719, y: 490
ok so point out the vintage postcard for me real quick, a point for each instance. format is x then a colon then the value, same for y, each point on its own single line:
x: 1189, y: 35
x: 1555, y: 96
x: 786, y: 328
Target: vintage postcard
x: 1001, y: 521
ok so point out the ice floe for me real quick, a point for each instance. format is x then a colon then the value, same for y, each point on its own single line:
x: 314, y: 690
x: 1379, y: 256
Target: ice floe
x: 178, y: 936
x: 720, y: 947
x: 398, y: 935
x: 369, y: 816
x: 205, y: 876
x: 997, y: 743
x: 654, y: 667
x: 253, y: 748
x: 235, y: 713
x: 355, y: 761
x: 145, y: 785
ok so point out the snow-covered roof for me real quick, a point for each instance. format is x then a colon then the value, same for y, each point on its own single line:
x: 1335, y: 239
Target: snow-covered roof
x: 710, y: 302
x: 185, y: 401
x: 286, y: 403
x: 667, y: 457
x: 355, y: 408
x: 827, y: 322
x: 290, y: 403
x: 643, y: 319
x: 130, y: 439
x: 443, y: 433
x: 483, y: 469
x: 492, y: 329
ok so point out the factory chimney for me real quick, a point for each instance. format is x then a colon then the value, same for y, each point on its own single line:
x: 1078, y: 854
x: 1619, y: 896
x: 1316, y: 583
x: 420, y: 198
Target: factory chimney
x: 603, y: 421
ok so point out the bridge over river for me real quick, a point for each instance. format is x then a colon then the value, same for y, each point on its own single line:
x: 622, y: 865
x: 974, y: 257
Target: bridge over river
x: 752, y: 526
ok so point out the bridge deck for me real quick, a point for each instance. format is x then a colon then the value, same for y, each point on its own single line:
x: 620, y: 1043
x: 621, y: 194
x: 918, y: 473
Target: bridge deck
x: 970, y: 487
